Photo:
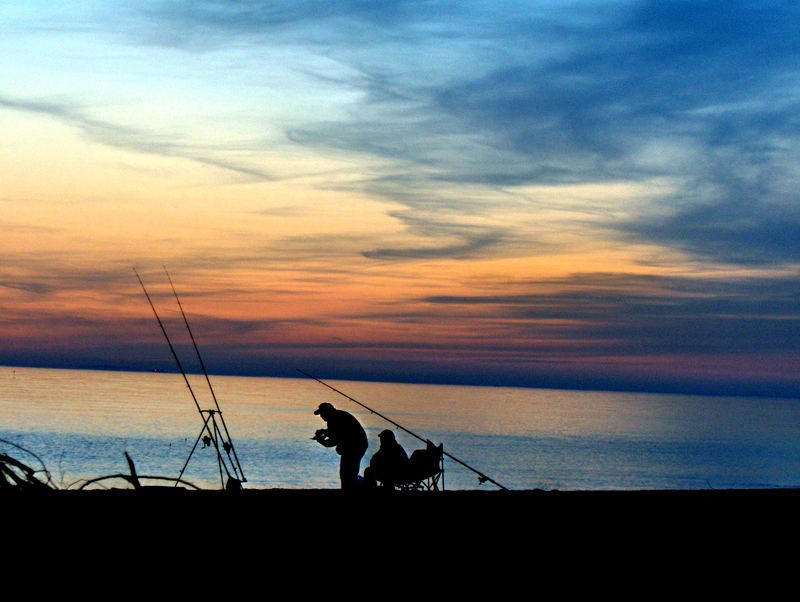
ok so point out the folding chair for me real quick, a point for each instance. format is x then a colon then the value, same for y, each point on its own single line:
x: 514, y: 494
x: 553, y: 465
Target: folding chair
x: 426, y: 469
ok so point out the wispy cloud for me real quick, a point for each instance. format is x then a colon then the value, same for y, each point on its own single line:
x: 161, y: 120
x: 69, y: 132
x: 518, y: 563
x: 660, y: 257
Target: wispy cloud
x: 446, y: 94
x: 139, y: 140
x: 471, y: 126
x: 632, y: 314
x: 453, y: 239
x: 704, y: 93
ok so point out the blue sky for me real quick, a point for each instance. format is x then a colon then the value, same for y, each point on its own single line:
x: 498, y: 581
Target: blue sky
x: 544, y: 193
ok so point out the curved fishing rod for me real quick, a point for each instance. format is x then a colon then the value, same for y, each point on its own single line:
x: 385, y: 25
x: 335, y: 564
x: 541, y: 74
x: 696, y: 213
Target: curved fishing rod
x: 210, y: 388
x: 185, y: 378
x: 482, y: 478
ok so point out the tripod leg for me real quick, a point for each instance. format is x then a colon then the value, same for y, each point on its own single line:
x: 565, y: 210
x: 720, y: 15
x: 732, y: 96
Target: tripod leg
x: 194, y: 447
x: 220, y: 462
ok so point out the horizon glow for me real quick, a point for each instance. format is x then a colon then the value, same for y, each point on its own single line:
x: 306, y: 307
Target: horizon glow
x: 573, y: 194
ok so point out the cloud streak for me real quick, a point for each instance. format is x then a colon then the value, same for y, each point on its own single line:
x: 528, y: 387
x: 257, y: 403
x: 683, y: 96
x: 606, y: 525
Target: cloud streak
x: 413, y: 178
x: 634, y: 315
x: 702, y: 93
x: 138, y: 140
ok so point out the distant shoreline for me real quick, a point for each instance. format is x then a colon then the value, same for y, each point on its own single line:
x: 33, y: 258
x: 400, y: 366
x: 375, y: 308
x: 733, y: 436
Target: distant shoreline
x: 783, y: 391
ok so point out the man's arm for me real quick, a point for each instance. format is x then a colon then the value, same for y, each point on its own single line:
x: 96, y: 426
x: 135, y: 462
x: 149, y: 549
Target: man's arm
x: 323, y: 437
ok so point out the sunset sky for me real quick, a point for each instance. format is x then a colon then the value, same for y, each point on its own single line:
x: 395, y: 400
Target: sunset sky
x: 575, y: 194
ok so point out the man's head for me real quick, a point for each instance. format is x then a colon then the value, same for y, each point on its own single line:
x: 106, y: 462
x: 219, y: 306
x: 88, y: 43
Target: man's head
x: 324, y: 410
x: 386, y: 436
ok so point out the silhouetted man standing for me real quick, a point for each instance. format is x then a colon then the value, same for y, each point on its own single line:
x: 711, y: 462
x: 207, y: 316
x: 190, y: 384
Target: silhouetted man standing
x: 348, y: 436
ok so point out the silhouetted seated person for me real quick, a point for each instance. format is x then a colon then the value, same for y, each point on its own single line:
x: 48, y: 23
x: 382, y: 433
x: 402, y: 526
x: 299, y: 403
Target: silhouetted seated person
x: 389, y: 466
x: 348, y: 437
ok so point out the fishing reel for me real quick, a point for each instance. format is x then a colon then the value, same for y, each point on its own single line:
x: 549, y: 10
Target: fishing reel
x: 321, y: 436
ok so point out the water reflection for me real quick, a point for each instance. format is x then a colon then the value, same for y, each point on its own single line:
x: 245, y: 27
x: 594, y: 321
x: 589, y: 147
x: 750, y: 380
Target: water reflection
x: 81, y: 422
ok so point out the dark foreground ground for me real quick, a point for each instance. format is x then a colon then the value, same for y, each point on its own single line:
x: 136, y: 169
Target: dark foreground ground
x: 376, y: 512
x: 486, y: 542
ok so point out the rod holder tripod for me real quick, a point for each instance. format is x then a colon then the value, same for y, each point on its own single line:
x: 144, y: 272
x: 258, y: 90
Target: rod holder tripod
x: 216, y: 435
x: 212, y: 436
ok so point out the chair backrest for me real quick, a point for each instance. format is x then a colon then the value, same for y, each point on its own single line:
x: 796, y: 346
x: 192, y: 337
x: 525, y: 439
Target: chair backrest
x: 425, y: 466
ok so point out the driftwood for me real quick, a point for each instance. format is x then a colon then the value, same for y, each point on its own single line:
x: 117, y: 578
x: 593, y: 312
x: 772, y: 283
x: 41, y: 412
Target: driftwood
x: 134, y: 479
x: 17, y: 475
x: 127, y: 478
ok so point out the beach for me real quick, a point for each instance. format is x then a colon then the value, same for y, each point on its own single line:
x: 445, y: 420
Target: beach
x: 592, y: 477
x: 446, y: 510
x: 485, y: 542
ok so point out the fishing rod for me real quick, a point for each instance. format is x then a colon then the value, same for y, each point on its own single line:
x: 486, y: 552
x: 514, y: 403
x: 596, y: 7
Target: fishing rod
x: 229, y: 441
x: 482, y: 478
x: 206, y: 428
x: 171, y: 348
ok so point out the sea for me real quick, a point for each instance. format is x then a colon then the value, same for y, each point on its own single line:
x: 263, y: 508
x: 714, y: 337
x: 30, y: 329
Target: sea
x: 78, y: 425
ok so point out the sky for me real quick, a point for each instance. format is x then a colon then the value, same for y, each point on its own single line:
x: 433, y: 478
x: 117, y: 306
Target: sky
x: 586, y: 194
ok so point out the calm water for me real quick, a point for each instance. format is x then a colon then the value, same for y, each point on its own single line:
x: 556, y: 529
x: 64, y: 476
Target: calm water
x: 81, y: 422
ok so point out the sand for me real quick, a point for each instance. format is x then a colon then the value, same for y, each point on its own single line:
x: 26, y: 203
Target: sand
x: 487, y: 543
x: 445, y: 510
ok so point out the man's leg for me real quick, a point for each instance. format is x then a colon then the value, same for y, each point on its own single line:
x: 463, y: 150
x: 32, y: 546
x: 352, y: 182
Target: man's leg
x: 348, y: 470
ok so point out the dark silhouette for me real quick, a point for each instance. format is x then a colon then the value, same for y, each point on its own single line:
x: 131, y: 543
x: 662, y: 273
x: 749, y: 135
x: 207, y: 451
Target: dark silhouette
x: 134, y: 479
x: 18, y: 475
x: 348, y: 437
x: 389, y: 465
x: 392, y: 468
x: 437, y: 453
x: 210, y: 433
x: 425, y: 466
